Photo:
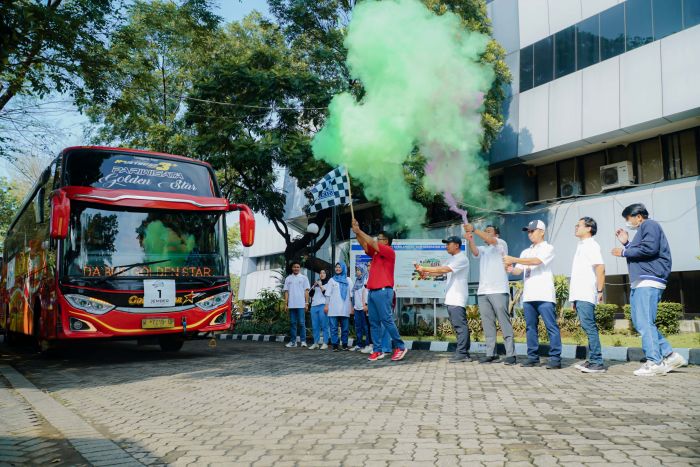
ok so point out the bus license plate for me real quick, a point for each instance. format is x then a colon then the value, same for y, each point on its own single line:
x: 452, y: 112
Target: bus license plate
x: 157, y: 323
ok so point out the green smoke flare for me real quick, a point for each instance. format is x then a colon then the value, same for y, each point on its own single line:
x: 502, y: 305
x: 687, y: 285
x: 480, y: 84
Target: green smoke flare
x: 424, y: 87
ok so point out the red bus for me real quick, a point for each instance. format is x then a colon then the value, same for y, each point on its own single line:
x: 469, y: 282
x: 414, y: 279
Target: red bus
x: 120, y: 243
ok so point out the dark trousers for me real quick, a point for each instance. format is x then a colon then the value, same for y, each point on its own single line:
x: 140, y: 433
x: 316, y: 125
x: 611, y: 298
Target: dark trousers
x: 458, y: 318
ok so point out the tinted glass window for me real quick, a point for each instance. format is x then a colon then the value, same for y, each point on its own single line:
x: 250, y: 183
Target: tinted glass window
x: 526, y: 68
x: 587, y: 42
x: 638, y: 23
x: 565, y: 52
x: 544, y: 68
x: 691, y: 13
x: 668, y: 17
x: 116, y: 170
x: 612, y: 32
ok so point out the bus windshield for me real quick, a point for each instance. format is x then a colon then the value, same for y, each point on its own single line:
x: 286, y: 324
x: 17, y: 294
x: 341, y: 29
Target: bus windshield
x: 135, y: 243
x: 119, y: 170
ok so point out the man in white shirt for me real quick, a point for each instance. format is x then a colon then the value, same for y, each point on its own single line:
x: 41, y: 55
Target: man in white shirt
x: 457, y: 289
x: 296, y: 300
x: 493, y: 293
x: 538, y: 294
x: 586, y: 290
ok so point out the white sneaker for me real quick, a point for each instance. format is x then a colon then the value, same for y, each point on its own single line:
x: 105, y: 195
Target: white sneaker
x: 313, y: 347
x: 651, y: 369
x: 303, y: 344
x: 673, y: 361
x: 291, y: 345
x: 367, y: 349
x: 356, y: 348
x: 582, y: 365
x: 324, y: 347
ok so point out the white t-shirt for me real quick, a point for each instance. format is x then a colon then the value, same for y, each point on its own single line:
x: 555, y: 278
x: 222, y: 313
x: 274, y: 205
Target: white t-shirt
x: 359, y: 298
x: 538, y: 280
x: 493, y: 278
x: 457, y: 288
x: 295, y: 285
x: 584, y: 285
x: 336, y: 305
x: 319, y: 298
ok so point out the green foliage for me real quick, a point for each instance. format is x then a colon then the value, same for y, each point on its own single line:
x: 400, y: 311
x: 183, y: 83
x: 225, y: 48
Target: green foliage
x: 8, y: 208
x: 668, y: 317
x: 152, y: 59
x: 561, y: 291
x: 267, y: 307
x: 233, y: 238
x: 445, y: 329
x: 476, y: 329
x: 605, y: 316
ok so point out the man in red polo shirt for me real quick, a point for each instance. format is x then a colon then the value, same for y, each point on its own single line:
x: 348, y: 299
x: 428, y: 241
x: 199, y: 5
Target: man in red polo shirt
x: 381, y: 291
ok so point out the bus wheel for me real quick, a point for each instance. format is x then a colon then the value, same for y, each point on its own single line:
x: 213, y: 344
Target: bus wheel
x: 170, y: 343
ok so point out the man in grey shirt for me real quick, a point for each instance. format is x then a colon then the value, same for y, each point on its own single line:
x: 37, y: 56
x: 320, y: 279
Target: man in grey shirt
x: 493, y: 293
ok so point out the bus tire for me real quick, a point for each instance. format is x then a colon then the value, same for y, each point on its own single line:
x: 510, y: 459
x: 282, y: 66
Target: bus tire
x: 170, y: 343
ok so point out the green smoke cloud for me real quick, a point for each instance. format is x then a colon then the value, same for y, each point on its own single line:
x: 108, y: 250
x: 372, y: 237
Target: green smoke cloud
x: 424, y: 87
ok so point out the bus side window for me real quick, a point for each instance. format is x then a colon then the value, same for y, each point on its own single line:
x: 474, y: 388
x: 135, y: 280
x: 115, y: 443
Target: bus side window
x: 39, y: 205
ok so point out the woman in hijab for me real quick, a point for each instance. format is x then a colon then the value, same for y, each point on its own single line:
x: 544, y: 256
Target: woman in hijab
x: 319, y: 320
x: 339, y: 305
x: 359, y: 301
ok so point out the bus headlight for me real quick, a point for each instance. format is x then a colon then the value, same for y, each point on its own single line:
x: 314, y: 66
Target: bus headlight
x: 89, y: 304
x: 214, y: 301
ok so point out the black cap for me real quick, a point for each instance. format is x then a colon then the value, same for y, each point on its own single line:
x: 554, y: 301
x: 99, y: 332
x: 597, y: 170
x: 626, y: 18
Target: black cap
x: 452, y: 239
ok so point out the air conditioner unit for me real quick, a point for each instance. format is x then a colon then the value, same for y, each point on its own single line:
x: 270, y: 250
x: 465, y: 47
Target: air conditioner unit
x: 616, y: 175
x: 570, y: 189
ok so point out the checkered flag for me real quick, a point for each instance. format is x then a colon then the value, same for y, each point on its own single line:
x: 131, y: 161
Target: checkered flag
x: 332, y: 190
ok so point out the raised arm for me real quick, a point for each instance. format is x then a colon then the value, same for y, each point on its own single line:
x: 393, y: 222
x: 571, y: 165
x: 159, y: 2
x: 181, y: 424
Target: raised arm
x: 367, y: 242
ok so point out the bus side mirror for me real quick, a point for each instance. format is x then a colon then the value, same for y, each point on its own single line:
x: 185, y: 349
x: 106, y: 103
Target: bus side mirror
x: 60, y: 215
x: 246, y: 222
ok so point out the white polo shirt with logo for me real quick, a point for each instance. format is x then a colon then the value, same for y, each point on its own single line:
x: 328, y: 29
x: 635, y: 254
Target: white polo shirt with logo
x: 583, y: 285
x: 493, y: 278
x: 295, y: 285
x: 457, y: 288
x: 538, y: 281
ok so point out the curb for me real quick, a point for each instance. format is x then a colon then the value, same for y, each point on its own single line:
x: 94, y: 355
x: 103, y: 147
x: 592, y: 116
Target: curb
x: 618, y: 354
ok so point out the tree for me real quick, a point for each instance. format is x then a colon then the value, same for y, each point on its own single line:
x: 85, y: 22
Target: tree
x: 50, y: 46
x: 153, y: 56
x: 233, y: 237
x: 9, y: 204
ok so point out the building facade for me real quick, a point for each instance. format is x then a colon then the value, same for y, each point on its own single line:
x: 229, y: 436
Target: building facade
x: 603, y: 111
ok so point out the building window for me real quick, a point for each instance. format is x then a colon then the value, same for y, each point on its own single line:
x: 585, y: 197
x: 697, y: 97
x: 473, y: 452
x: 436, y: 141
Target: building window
x: 650, y: 166
x: 612, y: 32
x: 591, y: 171
x: 620, y: 154
x: 565, y: 52
x: 264, y: 263
x: 497, y: 183
x: 668, y: 17
x: 691, y: 13
x: 681, y: 150
x: 526, y: 68
x: 543, y: 60
x: 547, y: 182
x: 638, y: 23
x: 587, y: 42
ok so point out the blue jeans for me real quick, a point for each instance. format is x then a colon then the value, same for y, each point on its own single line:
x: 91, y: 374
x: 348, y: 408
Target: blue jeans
x: 533, y: 310
x: 296, y: 316
x: 644, y: 301
x: 361, y: 328
x: 379, y: 305
x: 586, y: 316
x: 319, y: 324
x: 344, y: 329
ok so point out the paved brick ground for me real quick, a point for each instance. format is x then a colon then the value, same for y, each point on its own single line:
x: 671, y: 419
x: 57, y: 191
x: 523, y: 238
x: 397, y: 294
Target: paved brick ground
x: 246, y: 403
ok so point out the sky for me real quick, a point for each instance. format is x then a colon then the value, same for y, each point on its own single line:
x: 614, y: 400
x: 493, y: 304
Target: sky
x: 70, y: 124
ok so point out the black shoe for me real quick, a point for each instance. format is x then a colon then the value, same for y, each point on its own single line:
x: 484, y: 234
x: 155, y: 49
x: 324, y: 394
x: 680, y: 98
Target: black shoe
x: 345, y: 347
x: 460, y: 359
x: 553, y: 366
x: 488, y: 359
x: 530, y: 363
x: 336, y: 349
x: 509, y: 361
